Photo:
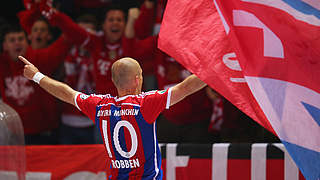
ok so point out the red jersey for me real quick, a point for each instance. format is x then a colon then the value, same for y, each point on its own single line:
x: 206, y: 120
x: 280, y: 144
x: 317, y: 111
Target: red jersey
x: 128, y: 127
x: 24, y: 95
x: 103, y: 52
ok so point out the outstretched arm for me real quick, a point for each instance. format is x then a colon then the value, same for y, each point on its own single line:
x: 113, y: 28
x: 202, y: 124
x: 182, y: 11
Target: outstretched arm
x: 58, y: 89
x: 187, y: 87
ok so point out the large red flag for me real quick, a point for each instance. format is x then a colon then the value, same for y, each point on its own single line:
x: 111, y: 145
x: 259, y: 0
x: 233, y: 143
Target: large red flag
x: 192, y: 33
x: 277, y: 45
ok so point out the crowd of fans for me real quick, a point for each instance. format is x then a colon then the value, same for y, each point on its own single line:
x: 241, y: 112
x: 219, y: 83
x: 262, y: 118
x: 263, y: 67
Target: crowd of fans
x: 77, y: 42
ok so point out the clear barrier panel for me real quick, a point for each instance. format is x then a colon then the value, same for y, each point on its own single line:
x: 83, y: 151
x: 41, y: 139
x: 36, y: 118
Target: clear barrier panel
x: 12, y: 147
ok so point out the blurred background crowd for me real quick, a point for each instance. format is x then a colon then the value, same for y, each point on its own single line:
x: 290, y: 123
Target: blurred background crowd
x: 76, y: 41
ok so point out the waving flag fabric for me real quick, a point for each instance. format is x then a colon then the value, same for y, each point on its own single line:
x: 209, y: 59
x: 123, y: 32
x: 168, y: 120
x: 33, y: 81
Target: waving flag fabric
x: 193, y: 34
x: 263, y: 56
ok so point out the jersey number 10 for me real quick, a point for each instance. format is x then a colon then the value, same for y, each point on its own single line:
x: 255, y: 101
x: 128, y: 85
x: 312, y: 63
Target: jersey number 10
x: 115, y: 138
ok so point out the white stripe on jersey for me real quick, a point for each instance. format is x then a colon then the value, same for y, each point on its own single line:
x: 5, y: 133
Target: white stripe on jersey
x: 75, y: 100
x: 107, y: 104
x: 142, y: 94
x: 168, y: 98
x: 130, y: 104
x: 122, y: 98
x: 155, y: 151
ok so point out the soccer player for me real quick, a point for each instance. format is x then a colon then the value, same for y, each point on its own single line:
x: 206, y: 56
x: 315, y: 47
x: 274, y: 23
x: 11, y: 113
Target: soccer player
x: 127, y: 122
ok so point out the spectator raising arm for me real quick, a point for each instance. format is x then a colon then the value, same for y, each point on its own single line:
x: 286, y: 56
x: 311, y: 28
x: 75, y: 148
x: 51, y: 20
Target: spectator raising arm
x: 58, y: 89
x: 133, y: 14
x: 143, y: 26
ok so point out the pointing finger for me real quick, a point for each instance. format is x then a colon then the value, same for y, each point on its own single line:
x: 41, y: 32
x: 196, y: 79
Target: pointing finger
x: 24, y: 60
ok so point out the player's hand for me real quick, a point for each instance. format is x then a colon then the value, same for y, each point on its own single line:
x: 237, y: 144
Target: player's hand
x: 29, y: 69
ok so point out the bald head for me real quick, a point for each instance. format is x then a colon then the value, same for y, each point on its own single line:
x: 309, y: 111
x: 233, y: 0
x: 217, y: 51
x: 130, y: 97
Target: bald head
x: 125, y: 72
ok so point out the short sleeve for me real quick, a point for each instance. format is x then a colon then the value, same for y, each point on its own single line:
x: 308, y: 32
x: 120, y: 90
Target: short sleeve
x: 154, y: 103
x: 87, y: 104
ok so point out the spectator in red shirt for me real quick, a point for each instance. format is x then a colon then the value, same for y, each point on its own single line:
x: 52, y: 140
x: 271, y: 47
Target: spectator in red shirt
x: 40, y: 36
x: 17, y: 92
x: 76, y: 128
x: 107, y: 47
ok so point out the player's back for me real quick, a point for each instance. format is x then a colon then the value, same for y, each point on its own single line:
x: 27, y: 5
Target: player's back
x: 129, y: 130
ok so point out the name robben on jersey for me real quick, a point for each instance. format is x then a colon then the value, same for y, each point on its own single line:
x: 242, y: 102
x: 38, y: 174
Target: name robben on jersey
x: 130, y: 163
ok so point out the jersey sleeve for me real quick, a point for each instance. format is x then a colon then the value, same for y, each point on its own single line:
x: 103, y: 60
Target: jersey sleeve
x: 87, y: 104
x: 154, y: 103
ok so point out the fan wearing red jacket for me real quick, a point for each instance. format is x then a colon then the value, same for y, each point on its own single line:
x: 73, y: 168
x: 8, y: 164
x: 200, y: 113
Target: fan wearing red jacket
x: 111, y: 45
x: 40, y: 36
x: 76, y: 128
x: 18, y: 92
